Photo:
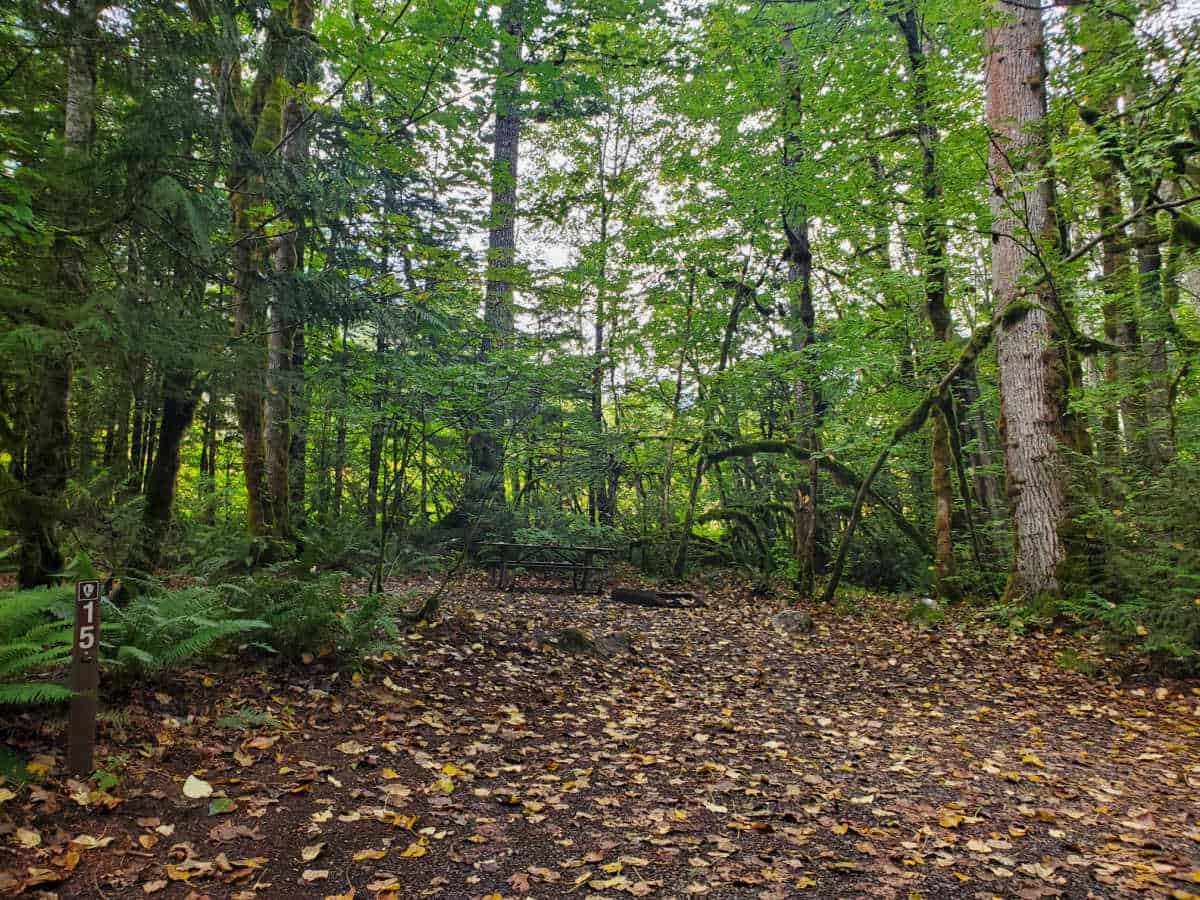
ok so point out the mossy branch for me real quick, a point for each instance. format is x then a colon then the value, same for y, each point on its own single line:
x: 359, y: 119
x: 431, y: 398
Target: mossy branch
x: 841, y: 473
x: 911, y: 424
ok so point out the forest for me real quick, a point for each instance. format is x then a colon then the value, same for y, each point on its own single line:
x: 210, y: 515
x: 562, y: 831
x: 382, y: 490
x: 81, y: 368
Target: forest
x: 878, y: 316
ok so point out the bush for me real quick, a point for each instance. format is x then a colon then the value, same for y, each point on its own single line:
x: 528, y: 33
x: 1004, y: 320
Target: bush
x: 1143, y: 582
x: 344, y: 545
x: 301, y: 616
x: 312, y: 617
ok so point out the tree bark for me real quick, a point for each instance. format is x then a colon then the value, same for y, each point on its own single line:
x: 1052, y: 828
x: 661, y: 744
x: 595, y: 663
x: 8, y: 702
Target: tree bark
x: 1121, y: 367
x: 48, y: 457
x: 1159, y: 448
x: 180, y: 396
x: 378, y: 428
x: 671, y: 431
x: 284, y: 315
x: 252, y: 123
x: 1033, y: 368
x: 485, y: 453
x: 802, y: 322
x: 933, y: 253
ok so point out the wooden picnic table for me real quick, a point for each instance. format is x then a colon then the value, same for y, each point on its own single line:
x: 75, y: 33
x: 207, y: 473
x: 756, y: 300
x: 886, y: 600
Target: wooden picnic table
x: 581, y: 561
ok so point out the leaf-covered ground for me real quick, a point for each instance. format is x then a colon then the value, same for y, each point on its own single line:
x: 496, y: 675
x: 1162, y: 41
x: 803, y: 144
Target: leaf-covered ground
x: 719, y: 758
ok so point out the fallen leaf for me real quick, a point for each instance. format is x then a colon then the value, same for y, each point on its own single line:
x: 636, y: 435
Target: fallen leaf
x: 197, y: 789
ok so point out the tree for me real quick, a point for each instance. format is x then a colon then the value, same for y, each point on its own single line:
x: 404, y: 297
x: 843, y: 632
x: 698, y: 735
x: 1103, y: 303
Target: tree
x: 48, y: 461
x: 1030, y: 341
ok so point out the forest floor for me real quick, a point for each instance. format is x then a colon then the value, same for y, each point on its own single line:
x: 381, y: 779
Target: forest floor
x: 719, y: 758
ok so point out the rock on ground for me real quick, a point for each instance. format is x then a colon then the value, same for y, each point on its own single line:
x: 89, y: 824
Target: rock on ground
x: 793, y: 621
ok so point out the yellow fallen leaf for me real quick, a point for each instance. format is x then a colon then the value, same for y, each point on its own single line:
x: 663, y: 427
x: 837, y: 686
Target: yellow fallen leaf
x: 950, y: 820
x: 351, y: 748
x: 6, y: 794
x: 414, y: 850
x: 369, y: 854
x: 308, y: 876
x: 308, y: 854
x: 840, y: 828
x: 89, y: 842
x: 1031, y: 760
x: 453, y: 771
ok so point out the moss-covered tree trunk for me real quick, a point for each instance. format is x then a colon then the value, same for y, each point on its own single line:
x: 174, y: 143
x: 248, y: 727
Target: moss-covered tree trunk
x: 933, y: 260
x: 48, y: 454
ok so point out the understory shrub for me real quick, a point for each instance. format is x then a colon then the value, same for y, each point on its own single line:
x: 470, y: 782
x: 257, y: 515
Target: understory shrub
x: 312, y: 616
x: 1146, y: 569
x: 301, y: 616
x: 1138, y: 581
x: 343, y: 545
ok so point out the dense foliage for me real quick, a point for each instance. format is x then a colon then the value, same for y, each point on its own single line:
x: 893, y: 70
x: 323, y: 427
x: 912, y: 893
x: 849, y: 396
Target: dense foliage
x: 357, y: 285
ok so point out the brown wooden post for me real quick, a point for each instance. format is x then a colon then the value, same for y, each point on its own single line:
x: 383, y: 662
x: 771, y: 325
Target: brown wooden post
x: 85, y: 679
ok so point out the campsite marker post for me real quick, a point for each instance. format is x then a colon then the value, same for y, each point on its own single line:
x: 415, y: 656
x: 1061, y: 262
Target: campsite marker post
x: 85, y: 679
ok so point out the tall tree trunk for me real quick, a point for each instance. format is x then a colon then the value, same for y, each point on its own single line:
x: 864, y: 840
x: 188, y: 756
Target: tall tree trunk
x: 137, y: 450
x: 802, y: 322
x: 180, y: 396
x: 485, y: 480
x: 933, y: 252
x: 284, y: 322
x: 48, y: 457
x: 119, y: 454
x: 378, y: 428
x: 208, y: 463
x: 150, y: 443
x: 1121, y: 366
x: 603, y: 509
x: 252, y: 124
x: 298, y: 450
x: 1157, y: 439
x: 339, y: 466
x: 1033, y: 368
x: 678, y: 396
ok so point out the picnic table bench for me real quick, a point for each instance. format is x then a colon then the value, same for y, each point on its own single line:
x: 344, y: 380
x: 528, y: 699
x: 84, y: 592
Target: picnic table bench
x: 502, y: 557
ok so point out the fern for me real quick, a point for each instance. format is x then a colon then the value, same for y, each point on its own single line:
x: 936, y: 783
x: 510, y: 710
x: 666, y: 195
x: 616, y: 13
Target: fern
x: 33, y: 692
x: 34, y: 639
x: 20, y: 610
x: 166, y: 630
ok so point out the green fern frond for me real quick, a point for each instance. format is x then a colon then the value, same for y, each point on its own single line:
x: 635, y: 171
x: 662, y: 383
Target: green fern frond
x: 33, y: 692
x: 135, y: 658
x: 35, y: 660
x: 20, y: 610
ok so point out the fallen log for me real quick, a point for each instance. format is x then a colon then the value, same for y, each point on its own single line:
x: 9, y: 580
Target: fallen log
x: 658, y: 599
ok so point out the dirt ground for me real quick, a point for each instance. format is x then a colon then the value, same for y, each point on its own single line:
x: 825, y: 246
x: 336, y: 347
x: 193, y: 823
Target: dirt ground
x: 717, y: 758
